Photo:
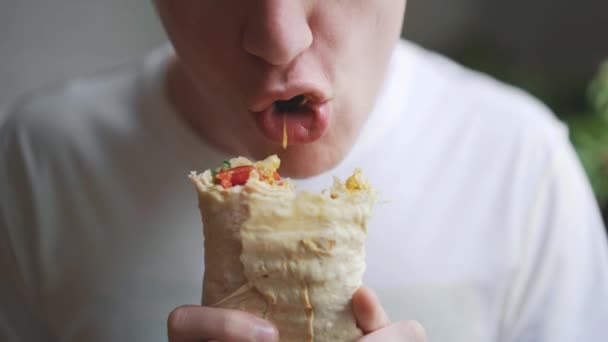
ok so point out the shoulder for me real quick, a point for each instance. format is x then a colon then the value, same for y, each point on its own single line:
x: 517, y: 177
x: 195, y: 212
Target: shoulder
x: 57, y: 112
x: 474, y: 106
x: 497, y: 141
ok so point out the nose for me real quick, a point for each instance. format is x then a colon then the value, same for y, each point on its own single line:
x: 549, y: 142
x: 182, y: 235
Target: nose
x: 277, y: 31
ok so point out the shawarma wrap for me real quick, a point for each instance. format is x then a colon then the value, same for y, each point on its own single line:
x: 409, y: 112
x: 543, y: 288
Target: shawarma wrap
x: 293, y: 258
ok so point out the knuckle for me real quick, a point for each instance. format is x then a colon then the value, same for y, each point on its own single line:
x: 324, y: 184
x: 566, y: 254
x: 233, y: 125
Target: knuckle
x: 413, y: 330
x: 176, y: 319
x: 233, y: 327
x: 227, y: 327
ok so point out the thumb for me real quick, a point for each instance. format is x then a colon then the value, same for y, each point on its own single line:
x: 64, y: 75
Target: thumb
x: 367, y: 310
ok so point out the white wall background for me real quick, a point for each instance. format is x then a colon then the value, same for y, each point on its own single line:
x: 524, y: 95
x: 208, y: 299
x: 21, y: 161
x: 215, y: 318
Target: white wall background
x: 44, y: 41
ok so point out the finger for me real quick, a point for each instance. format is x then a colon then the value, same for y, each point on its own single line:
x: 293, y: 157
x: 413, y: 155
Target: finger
x: 367, y: 309
x: 196, y: 323
x: 404, y: 331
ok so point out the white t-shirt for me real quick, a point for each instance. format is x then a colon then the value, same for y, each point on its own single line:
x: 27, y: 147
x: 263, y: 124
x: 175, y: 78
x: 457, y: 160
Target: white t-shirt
x: 486, y: 230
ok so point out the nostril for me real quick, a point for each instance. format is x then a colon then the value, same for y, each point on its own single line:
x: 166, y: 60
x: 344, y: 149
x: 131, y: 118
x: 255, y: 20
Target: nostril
x: 291, y: 105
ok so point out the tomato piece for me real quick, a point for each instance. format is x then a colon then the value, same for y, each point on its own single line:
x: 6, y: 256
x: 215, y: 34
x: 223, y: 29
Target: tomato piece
x: 240, y: 174
x: 276, y: 176
x: 226, y: 183
x: 235, y: 176
x: 224, y: 178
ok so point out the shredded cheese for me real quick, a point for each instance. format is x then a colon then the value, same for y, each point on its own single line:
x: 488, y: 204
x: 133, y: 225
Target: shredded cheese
x: 284, y: 131
x: 356, y: 182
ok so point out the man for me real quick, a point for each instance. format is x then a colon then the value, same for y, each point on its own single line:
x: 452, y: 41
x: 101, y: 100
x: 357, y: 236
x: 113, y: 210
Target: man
x: 487, y: 230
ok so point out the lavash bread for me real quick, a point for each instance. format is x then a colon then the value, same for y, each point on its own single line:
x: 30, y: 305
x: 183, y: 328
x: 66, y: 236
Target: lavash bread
x: 294, y: 259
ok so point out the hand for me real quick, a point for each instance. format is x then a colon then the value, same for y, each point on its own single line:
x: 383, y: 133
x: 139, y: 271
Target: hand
x: 201, y: 323
x: 375, y: 324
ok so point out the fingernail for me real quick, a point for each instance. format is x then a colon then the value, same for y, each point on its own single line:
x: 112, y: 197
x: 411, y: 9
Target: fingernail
x: 264, y: 332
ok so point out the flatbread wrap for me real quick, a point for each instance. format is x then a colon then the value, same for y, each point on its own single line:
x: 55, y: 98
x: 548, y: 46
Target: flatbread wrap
x: 293, y: 258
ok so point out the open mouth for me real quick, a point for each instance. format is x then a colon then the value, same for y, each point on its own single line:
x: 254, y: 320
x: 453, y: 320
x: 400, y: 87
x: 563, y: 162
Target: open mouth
x: 300, y: 119
x: 293, y: 105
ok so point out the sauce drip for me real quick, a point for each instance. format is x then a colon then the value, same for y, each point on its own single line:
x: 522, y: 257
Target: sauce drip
x: 284, y: 131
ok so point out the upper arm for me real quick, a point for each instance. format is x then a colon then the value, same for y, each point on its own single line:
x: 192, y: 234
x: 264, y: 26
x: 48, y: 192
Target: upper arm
x: 560, y: 290
x: 18, y: 318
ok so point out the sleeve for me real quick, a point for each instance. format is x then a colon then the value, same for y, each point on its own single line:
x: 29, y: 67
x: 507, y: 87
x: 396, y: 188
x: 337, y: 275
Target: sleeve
x: 18, y: 317
x: 560, y: 290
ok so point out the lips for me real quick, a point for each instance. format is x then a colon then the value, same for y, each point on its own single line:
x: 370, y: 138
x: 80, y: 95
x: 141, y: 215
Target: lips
x: 305, y: 114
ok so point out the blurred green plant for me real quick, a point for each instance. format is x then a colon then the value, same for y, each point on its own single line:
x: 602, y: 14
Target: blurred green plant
x: 589, y: 134
x: 598, y: 92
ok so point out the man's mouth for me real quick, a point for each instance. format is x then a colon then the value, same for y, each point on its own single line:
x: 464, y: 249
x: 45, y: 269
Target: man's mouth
x: 292, y: 105
x: 301, y: 119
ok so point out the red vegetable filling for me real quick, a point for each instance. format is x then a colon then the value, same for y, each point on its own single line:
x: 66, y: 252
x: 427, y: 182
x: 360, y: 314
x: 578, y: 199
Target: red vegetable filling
x: 240, y: 174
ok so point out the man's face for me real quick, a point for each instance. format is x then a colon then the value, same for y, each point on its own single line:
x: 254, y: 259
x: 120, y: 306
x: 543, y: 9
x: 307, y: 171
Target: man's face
x: 246, y: 59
